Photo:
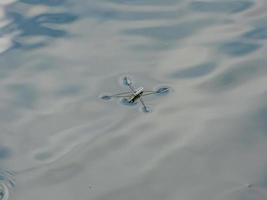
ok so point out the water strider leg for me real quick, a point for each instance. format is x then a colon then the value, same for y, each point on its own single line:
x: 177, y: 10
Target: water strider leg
x: 145, y: 108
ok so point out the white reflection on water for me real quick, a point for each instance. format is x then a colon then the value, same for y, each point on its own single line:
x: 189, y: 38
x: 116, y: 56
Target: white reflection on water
x: 5, y: 39
x: 206, y: 140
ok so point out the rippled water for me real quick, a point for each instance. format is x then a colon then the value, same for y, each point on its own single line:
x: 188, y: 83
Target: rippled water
x: 205, y: 140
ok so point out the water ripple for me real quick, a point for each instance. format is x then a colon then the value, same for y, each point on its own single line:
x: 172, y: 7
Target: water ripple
x: 25, y: 96
x: 5, y: 152
x: 4, y: 193
x: 259, y: 32
x: 236, y: 75
x: 46, y: 2
x: 21, y: 26
x: 110, y: 14
x: 178, y: 31
x: 239, y: 48
x: 6, y: 183
x: 57, y: 56
x: 35, y: 25
x: 195, y: 71
x: 221, y: 6
x: 146, y: 2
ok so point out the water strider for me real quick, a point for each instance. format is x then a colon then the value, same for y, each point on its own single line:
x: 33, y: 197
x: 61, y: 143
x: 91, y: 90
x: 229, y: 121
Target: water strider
x: 132, y: 96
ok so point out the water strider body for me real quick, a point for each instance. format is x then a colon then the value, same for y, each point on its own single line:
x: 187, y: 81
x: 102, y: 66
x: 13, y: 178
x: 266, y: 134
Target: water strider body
x: 136, y: 94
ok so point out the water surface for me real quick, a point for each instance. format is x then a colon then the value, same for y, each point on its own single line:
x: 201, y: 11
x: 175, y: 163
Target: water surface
x: 204, y: 140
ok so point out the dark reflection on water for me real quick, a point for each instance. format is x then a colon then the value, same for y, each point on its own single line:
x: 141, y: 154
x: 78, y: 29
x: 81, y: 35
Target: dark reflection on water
x: 108, y: 14
x: 56, y: 18
x: 237, y: 75
x: 221, y: 6
x: 5, y: 152
x: 239, y: 48
x: 176, y: 32
x: 146, y: 2
x: 36, y: 26
x: 45, y: 2
x: 39, y: 25
x: 195, y: 71
x: 259, y: 31
x: 24, y: 46
x: 25, y: 95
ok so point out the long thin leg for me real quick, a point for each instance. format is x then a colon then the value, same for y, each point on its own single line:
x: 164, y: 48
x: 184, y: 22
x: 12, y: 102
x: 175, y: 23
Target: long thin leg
x: 128, y: 94
x: 129, y: 83
x: 146, y: 93
x: 122, y: 94
x: 131, y: 88
x: 144, y: 105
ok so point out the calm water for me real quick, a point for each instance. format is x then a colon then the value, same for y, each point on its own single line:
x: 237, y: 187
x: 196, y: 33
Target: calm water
x: 207, y: 139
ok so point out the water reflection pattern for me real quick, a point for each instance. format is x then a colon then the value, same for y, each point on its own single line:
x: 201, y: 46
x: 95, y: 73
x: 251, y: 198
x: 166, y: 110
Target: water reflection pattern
x: 205, y: 141
x: 6, y: 183
x: 41, y: 25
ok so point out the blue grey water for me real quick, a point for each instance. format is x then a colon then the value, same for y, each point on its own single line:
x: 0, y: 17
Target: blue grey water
x: 206, y: 139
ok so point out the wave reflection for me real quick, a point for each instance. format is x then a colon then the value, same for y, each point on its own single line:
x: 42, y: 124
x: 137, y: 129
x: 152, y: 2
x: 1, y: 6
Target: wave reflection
x: 6, y: 183
x: 221, y: 6
x: 32, y: 32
